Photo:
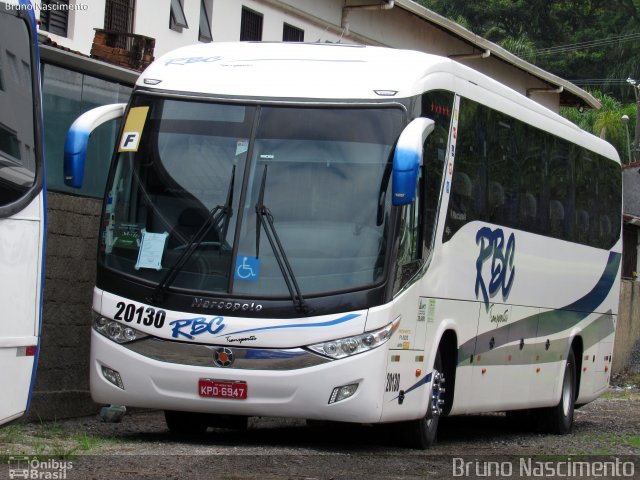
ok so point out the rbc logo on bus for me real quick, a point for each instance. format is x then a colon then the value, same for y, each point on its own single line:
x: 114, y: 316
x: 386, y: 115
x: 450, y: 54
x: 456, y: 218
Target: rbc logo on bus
x: 502, y: 272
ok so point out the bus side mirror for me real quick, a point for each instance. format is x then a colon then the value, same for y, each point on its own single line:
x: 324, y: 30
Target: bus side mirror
x: 75, y: 145
x: 407, y: 160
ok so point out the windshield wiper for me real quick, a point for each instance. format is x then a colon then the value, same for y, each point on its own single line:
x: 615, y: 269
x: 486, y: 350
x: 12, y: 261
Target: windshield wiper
x: 217, y: 213
x: 264, y: 219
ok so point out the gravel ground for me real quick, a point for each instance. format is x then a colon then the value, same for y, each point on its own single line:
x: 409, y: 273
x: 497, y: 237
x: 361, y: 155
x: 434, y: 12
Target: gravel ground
x: 142, y: 447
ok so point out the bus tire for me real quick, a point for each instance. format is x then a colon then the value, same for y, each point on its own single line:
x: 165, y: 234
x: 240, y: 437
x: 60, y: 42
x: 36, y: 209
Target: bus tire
x: 559, y: 419
x: 422, y: 433
x: 188, y: 423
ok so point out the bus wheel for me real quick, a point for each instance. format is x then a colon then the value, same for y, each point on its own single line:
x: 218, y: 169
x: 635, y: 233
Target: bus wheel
x: 186, y: 422
x: 559, y: 419
x: 421, y: 433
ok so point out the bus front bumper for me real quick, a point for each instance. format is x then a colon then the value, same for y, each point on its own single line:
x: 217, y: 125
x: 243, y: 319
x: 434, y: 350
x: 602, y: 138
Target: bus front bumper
x: 297, y: 393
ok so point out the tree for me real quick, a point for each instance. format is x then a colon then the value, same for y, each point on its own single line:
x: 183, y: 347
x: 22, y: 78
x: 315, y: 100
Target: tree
x: 594, y: 39
x: 606, y: 122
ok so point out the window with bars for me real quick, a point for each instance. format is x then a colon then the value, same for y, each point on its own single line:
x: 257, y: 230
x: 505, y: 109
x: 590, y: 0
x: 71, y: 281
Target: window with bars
x: 177, y: 19
x: 118, y: 15
x: 292, y: 34
x: 54, y: 16
x: 250, y: 25
x: 204, y: 34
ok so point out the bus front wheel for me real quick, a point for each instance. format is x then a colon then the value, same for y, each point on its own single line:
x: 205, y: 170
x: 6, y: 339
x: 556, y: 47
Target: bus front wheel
x: 422, y: 433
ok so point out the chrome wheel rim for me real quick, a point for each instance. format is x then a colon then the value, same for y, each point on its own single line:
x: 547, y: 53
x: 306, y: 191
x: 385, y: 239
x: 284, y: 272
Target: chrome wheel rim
x: 566, y: 392
x: 437, y: 390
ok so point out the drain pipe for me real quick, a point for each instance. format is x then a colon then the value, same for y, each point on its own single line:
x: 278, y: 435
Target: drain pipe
x: 559, y: 89
x: 346, y: 11
x: 471, y: 56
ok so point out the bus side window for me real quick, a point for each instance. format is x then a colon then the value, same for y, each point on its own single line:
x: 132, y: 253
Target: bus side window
x: 438, y: 106
x: 560, y: 184
x: 609, y: 180
x: 532, y: 179
x: 410, y: 251
x: 467, y: 200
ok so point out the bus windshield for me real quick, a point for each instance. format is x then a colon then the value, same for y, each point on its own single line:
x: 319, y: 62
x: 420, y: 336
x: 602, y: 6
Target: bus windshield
x: 195, y: 175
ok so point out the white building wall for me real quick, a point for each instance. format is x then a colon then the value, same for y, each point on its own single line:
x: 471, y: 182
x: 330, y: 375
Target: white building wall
x: 152, y: 20
x: 80, y: 29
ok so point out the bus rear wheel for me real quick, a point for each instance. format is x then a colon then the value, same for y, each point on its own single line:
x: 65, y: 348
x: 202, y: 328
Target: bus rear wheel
x: 559, y: 419
x: 422, y: 433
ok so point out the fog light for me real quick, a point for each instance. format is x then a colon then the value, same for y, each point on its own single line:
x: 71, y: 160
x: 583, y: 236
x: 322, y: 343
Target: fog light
x: 342, y: 393
x: 113, y: 377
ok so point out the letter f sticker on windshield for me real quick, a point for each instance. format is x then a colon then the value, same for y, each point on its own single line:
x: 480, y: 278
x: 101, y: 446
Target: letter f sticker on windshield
x: 133, y: 129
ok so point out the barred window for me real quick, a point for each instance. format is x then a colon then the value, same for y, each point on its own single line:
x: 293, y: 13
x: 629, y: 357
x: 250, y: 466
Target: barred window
x: 54, y: 16
x: 118, y: 15
x: 292, y: 34
x: 250, y: 25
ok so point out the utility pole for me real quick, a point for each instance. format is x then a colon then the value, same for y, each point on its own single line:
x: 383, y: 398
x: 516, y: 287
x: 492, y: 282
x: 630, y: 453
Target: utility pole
x: 625, y: 120
x: 636, y: 139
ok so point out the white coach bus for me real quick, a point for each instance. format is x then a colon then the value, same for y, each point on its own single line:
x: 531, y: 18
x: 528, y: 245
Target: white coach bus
x: 348, y: 233
x: 22, y: 207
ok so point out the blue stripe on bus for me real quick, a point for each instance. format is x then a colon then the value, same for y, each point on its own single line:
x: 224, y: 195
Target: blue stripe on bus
x: 553, y: 321
x: 423, y: 381
x: 337, y: 321
x: 43, y: 226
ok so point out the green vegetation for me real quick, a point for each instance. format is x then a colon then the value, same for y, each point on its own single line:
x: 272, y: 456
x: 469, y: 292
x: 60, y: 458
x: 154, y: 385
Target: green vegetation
x: 575, y: 39
x: 634, y: 441
x: 608, y: 443
x: 606, y: 122
x: 594, y: 44
x: 45, y: 439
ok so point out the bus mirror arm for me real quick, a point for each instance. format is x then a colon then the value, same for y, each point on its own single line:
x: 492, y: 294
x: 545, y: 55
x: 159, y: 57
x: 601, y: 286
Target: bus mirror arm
x: 75, y: 145
x: 407, y: 160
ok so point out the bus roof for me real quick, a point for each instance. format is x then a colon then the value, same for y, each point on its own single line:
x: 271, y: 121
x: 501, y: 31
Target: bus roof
x: 291, y: 70
x: 340, y: 72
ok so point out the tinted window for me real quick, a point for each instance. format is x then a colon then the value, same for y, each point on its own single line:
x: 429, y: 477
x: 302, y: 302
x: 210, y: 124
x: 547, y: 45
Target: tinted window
x: 531, y: 179
x: 467, y: 201
x: 560, y: 186
x: 509, y: 173
x: 66, y: 95
x: 438, y: 106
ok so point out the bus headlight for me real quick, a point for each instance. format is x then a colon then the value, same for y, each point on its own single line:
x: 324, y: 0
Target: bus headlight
x: 345, y: 347
x: 115, y: 331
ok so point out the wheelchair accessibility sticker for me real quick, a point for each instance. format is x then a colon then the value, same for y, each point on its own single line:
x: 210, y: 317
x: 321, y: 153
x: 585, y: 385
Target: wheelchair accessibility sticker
x: 247, y: 268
